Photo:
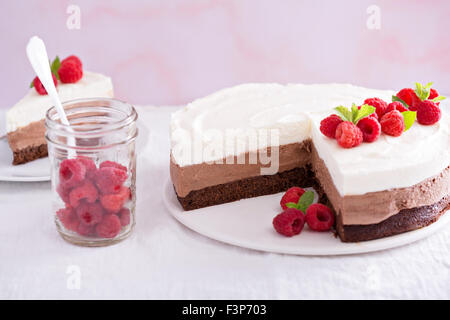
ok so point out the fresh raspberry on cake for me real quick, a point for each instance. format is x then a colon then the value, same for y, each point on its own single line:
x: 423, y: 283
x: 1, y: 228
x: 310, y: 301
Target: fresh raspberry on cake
x: 114, y: 202
x: 112, y: 164
x: 37, y: 84
x: 379, y: 105
x: 90, y: 213
x: 396, y: 105
x: 392, y: 123
x: 348, y: 135
x: 319, y: 217
x: 329, y: 124
x: 370, y: 128
x: 109, y: 227
x: 68, y: 218
x: 290, y: 222
x: 70, y: 72
x: 86, y: 191
x: 74, y: 59
x: 110, y: 179
x: 71, y: 172
x: 428, y: 112
x: 409, y: 97
x: 124, y: 216
x: 292, y: 195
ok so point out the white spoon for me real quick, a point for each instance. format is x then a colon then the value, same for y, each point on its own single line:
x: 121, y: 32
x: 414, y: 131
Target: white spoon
x: 37, y: 55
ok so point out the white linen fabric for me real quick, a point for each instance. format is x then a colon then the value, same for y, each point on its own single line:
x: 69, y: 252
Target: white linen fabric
x: 164, y: 260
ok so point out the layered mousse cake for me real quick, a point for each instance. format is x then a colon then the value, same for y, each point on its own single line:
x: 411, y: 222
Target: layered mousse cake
x: 25, y: 120
x: 259, y: 139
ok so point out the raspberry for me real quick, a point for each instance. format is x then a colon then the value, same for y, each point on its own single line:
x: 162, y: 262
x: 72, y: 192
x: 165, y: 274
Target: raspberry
x: 124, y: 216
x: 90, y: 213
x: 70, y: 72
x: 409, y: 96
x: 433, y: 94
x: 74, y: 59
x: 370, y: 128
x: 71, y: 172
x: 380, y: 105
x: 68, y: 218
x: 109, y: 227
x: 112, y: 164
x: 396, y: 105
x: 63, y: 192
x: 319, y: 217
x: 90, y: 166
x: 114, y: 202
x: 392, y: 123
x: 40, y: 87
x: 291, y: 195
x: 85, y: 191
x: 428, y: 112
x: 329, y: 124
x: 85, y: 230
x: 110, y: 180
x: 289, y: 223
x: 348, y: 135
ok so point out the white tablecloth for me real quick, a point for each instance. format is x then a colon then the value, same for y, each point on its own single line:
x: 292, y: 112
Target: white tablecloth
x: 165, y: 260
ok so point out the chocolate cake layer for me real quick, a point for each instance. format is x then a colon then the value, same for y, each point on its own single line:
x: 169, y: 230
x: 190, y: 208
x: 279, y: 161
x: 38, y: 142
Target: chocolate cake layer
x: 405, y: 220
x: 28, y: 143
x: 248, y: 188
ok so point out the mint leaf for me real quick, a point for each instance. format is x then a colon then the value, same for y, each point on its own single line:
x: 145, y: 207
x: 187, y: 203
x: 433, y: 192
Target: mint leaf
x: 305, y: 201
x: 345, y: 114
x: 423, y: 92
x: 32, y: 84
x: 437, y: 99
x: 54, y: 67
x: 365, y: 111
x: 354, y: 111
x: 291, y: 205
x: 409, y: 117
x: 395, y: 98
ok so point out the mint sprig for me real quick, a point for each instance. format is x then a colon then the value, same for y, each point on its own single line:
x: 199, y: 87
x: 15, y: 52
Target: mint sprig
x: 303, y: 203
x: 354, y: 115
x: 423, y: 91
x: 439, y: 98
x: 54, y: 67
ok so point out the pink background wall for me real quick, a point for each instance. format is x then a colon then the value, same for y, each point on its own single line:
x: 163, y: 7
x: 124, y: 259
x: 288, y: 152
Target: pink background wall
x: 171, y: 52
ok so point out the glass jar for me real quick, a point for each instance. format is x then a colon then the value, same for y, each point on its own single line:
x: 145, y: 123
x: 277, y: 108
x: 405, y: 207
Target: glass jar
x: 93, y: 170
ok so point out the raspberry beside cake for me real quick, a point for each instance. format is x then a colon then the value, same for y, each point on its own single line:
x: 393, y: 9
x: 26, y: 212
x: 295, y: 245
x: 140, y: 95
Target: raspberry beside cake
x: 378, y: 189
x: 25, y: 121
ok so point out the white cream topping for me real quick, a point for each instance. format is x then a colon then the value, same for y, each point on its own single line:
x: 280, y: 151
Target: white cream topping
x: 33, y: 106
x: 296, y: 110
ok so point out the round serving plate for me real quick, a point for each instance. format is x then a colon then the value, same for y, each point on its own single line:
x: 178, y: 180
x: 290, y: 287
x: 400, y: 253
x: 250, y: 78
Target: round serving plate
x: 248, y: 223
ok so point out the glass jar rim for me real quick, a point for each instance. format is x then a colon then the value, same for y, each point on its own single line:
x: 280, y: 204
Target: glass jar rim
x: 52, y: 119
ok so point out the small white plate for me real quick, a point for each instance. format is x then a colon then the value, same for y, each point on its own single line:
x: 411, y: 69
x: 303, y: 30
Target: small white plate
x: 248, y: 223
x: 39, y: 170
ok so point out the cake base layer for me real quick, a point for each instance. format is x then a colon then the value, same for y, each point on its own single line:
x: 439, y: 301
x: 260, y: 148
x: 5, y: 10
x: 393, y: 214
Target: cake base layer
x: 405, y: 220
x: 29, y: 154
x: 248, y: 188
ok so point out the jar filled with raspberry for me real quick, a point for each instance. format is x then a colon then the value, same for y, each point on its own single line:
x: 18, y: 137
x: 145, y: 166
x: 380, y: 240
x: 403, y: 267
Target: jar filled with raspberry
x: 93, y: 170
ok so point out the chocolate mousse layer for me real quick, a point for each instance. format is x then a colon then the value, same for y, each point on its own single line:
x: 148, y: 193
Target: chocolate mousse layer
x: 199, y: 176
x: 28, y: 143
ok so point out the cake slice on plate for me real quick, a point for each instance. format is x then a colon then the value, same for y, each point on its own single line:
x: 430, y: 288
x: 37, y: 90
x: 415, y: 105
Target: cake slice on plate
x: 259, y: 139
x: 25, y: 120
